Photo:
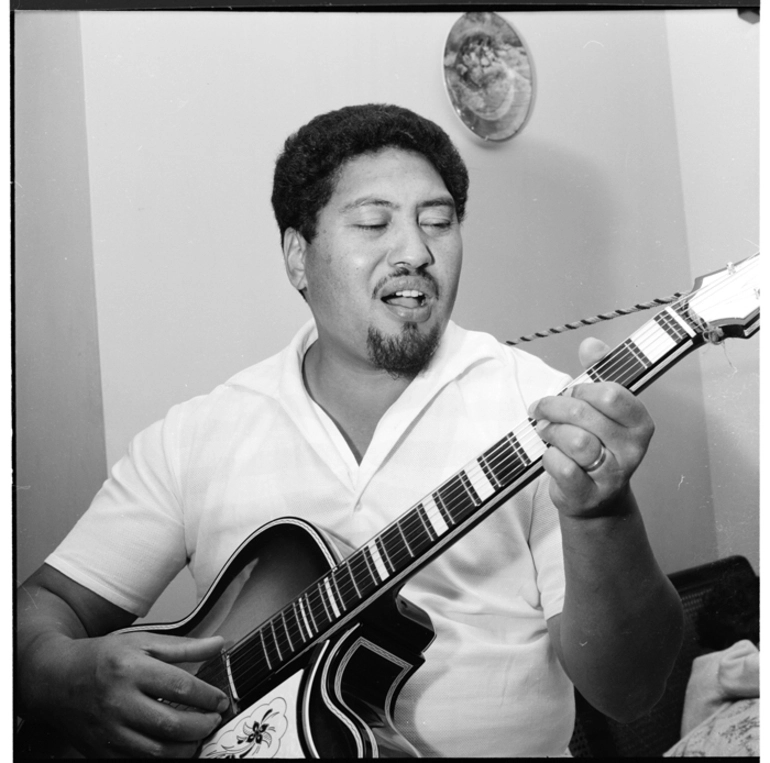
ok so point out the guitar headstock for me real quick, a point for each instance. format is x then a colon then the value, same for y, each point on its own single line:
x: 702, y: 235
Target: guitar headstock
x: 727, y: 300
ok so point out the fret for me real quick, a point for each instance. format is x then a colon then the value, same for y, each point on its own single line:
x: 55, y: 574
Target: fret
x: 247, y: 668
x: 345, y: 585
x: 593, y: 374
x: 275, y: 641
x: 332, y: 600
x: 393, y: 543
x: 404, y: 538
x: 481, y: 484
x: 286, y: 630
x: 216, y: 672
x: 316, y: 608
x: 631, y: 366
x: 502, y: 462
x: 415, y: 529
x: 469, y: 490
x: 638, y: 354
x: 383, y: 554
x: 445, y: 515
x: 622, y: 363
x: 374, y: 555
x: 371, y: 565
x: 656, y: 343
x: 455, y: 497
x: 420, y: 511
x: 352, y: 577
x: 434, y: 516
x: 673, y: 325
x: 264, y: 649
x: 689, y: 319
x: 230, y: 680
x: 303, y: 627
x: 361, y: 573
x: 527, y: 448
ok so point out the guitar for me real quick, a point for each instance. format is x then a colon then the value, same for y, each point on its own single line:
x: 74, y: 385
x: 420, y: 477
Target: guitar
x: 319, y: 645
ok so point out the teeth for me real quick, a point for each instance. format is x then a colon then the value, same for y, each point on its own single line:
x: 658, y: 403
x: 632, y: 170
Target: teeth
x: 409, y: 293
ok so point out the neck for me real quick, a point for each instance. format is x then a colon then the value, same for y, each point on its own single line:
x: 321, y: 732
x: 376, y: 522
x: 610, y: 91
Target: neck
x: 354, y: 396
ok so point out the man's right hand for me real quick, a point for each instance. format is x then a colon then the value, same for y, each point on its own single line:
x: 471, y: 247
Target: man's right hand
x: 110, y: 694
x: 117, y: 690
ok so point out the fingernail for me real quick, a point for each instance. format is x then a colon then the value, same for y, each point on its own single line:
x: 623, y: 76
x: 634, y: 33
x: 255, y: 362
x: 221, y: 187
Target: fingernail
x: 224, y: 703
x: 531, y: 409
x: 541, y: 425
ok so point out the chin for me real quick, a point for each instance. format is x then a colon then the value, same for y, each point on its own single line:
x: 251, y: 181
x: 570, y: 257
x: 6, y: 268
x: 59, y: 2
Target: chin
x: 405, y: 353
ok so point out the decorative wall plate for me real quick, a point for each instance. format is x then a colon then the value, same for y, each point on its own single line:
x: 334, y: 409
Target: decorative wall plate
x: 489, y: 75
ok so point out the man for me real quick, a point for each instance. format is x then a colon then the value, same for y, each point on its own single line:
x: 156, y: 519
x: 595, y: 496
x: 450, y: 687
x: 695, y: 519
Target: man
x: 369, y: 409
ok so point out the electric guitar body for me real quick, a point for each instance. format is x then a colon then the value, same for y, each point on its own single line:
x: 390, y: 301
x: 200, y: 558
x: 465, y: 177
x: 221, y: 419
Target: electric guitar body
x: 333, y: 700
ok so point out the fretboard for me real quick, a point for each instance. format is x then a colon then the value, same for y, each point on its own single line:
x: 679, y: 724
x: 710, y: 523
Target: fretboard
x: 444, y: 515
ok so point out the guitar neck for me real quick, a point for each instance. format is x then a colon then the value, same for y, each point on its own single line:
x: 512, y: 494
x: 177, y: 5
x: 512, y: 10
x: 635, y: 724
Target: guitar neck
x: 456, y: 506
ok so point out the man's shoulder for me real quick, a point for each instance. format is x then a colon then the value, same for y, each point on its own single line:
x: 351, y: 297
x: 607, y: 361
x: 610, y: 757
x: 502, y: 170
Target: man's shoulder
x: 257, y: 386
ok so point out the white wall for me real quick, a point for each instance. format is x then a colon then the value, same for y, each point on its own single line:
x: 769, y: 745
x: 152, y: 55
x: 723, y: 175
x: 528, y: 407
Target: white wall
x: 588, y: 209
x: 59, y: 429
x: 717, y: 118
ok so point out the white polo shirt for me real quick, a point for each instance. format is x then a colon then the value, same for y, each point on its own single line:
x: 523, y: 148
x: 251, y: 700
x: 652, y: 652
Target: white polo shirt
x: 194, y: 485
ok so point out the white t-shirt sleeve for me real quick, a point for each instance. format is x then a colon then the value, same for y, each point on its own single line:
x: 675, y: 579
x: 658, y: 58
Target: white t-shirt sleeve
x: 546, y: 547
x: 130, y: 543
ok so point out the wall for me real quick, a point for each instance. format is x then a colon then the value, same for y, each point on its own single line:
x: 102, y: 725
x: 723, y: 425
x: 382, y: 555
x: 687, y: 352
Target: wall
x: 59, y: 428
x: 585, y: 211
x: 719, y: 156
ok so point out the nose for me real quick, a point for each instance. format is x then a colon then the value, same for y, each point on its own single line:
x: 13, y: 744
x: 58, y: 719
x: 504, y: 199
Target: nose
x: 411, y: 248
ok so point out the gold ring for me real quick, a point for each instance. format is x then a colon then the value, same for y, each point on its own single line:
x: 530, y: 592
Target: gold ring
x: 600, y: 459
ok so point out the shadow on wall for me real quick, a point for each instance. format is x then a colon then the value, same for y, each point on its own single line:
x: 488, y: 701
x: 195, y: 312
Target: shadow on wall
x: 547, y: 242
x: 673, y: 485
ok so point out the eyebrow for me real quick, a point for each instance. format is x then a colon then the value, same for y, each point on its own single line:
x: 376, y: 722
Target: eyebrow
x: 364, y: 201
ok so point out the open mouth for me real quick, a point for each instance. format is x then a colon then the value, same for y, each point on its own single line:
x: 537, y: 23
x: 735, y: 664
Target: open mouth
x: 410, y: 298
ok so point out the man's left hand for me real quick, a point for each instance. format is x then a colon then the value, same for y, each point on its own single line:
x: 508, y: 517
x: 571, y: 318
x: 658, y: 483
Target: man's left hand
x: 599, y: 433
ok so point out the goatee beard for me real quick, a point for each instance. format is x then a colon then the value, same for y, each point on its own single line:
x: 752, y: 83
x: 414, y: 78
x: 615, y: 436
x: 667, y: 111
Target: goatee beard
x: 404, y: 355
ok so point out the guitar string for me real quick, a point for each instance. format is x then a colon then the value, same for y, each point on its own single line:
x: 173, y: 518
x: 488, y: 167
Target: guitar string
x: 395, y: 562
x: 401, y: 525
x: 527, y: 433
x: 403, y: 553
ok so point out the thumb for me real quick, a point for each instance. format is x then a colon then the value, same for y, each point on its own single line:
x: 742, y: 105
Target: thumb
x: 591, y: 351
x: 174, y: 649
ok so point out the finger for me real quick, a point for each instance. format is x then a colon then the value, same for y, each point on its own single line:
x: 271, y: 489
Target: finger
x: 570, y: 485
x: 613, y: 402
x: 181, y: 649
x: 177, y: 686
x: 554, y: 411
x: 576, y: 443
x: 591, y: 351
x: 159, y: 721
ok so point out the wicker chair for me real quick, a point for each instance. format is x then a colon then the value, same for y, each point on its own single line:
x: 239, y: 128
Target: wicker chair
x: 597, y: 736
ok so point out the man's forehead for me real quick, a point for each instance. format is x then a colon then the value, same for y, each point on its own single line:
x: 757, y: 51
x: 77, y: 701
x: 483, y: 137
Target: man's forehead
x: 368, y: 180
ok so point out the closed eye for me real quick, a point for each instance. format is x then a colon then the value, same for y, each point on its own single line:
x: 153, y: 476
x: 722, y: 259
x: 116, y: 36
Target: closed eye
x: 437, y: 224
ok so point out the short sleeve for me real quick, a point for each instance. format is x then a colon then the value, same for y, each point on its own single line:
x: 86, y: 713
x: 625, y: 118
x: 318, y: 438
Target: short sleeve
x: 546, y: 548
x: 130, y: 543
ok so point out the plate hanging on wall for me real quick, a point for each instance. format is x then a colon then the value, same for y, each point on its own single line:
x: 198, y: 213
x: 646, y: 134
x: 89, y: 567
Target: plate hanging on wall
x: 489, y: 75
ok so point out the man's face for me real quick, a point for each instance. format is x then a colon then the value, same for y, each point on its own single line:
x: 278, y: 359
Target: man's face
x: 382, y: 271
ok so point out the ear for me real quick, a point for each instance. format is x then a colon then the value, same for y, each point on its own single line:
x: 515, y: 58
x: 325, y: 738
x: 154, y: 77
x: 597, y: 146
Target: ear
x: 294, y: 251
